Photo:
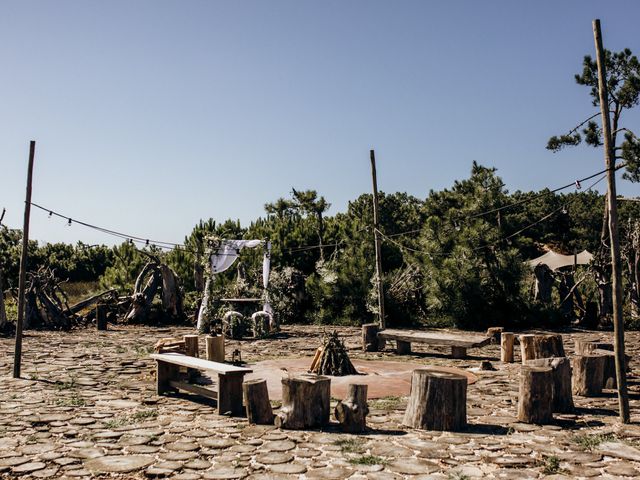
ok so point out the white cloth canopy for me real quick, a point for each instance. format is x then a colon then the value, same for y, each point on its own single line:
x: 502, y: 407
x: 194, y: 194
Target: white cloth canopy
x: 225, y: 256
x: 557, y: 260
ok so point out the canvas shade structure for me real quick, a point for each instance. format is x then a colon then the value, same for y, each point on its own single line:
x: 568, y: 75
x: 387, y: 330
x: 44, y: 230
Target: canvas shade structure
x: 556, y: 260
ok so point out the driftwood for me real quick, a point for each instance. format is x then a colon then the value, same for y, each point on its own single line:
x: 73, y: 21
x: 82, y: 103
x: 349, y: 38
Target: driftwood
x: 154, y: 279
x: 46, y: 303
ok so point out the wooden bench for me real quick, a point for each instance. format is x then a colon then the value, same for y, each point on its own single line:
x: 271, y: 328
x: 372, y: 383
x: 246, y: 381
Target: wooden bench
x: 229, y: 393
x: 458, y: 342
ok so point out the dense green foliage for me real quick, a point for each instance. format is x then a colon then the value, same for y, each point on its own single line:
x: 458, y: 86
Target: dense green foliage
x: 446, y: 261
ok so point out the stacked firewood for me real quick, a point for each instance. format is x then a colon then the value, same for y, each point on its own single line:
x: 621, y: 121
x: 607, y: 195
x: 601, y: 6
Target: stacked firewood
x: 332, y: 358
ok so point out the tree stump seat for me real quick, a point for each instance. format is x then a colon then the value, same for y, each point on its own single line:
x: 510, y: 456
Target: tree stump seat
x: 305, y: 402
x: 535, y: 396
x: 438, y: 401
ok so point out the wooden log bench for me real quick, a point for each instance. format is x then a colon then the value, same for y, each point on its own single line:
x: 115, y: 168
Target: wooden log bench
x: 229, y: 385
x: 459, y: 342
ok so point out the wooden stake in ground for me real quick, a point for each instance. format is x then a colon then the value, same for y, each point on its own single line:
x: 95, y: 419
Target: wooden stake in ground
x: 376, y: 237
x: 17, y: 358
x: 609, y: 158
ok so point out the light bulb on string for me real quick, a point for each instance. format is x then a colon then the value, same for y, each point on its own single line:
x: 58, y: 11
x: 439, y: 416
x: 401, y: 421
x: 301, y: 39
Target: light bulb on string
x: 147, y: 243
x: 50, y: 213
x: 69, y: 223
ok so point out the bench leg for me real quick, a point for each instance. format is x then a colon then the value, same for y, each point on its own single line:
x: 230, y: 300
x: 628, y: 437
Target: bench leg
x: 403, y: 348
x: 230, y: 395
x: 165, y: 373
x: 458, y: 352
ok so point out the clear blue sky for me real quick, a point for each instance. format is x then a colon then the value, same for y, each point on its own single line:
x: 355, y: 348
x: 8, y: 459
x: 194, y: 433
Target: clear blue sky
x: 150, y: 115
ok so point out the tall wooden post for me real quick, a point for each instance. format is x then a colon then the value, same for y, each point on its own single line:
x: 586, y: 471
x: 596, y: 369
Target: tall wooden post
x: 376, y: 236
x: 17, y: 357
x: 609, y: 157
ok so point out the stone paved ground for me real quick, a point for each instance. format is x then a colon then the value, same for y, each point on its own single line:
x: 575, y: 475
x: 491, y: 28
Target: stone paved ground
x: 87, y: 408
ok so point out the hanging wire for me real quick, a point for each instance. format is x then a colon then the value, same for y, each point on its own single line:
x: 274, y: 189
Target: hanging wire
x: 563, y: 208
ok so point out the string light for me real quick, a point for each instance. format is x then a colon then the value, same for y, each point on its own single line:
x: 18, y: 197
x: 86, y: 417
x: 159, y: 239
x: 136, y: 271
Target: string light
x: 69, y: 223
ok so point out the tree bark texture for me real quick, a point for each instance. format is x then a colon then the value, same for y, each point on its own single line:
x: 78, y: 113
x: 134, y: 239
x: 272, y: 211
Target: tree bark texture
x: 588, y: 374
x: 540, y: 346
x: 352, y: 412
x: 305, y: 402
x: 507, y: 339
x: 535, y: 398
x: 562, y: 386
x: 256, y: 399
x: 438, y: 401
x: 214, y: 348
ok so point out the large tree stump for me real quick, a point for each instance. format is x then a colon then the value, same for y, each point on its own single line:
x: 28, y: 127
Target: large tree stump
x: 507, y: 340
x: 352, y: 411
x: 535, y: 398
x: 588, y: 374
x: 438, y: 401
x: 214, y: 347
x: 370, y: 337
x: 305, y: 402
x: 540, y: 346
x: 101, y: 316
x: 256, y: 399
x: 562, y: 393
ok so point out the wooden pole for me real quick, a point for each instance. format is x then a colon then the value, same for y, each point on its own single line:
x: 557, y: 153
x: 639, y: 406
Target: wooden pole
x: 17, y: 357
x: 376, y: 236
x: 609, y: 157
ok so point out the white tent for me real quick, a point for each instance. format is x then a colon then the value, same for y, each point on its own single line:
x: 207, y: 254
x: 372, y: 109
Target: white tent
x: 556, y: 260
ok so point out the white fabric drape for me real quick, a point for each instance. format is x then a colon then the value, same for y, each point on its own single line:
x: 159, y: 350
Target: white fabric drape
x: 223, y: 258
x: 266, y: 268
